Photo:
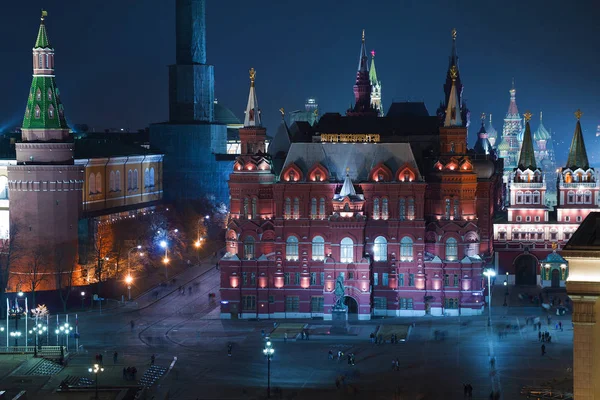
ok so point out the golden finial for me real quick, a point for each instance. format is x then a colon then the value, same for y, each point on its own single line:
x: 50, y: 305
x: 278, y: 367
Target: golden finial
x: 282, y: 111
x: 482, y: 118
x: 347, y: 171
x: 252, y: 76
x: 363, y: 36
x: 316, y: 112
x: 554, y: 245
x: 527, y: 116
x: 453, y: 72
x: 44, y: 14
x: 578, y: 114
x: 454, y: 33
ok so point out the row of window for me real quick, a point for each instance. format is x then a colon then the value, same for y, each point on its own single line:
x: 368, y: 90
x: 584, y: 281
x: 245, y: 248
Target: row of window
x: 43, y: 59
x: 516, y: 235
x: 385, y: 279
x: 380, y: 303
x: 578, y: 177
x: 291, y: 208
x: 114, y: 180
x: 579, y: 197
x: 381, y: 208
x: 528, y: 197
x: 454, y: 206
x: 292, y: 303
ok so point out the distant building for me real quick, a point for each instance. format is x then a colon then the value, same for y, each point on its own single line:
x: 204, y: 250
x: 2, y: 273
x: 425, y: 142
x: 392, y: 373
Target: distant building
x: 310, y: 113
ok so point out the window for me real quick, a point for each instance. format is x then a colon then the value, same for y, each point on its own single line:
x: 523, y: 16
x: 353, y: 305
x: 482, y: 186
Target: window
x: 451, y: 249
x: 296, y: 278
x: 296, y: 208
x: 587, y: 197
x: 376, y: 208
x: 406, y: 303
x: 579, y: 197
x: 406, y: 249
x: 537, y: 218
x: 271, y: 299
x: 92, y: 183
x: 347, y: 250
x: 313, y: 278
x: 447, y: 210
x: 350, y: 275
x: 567, y: 219
x: 578, y: 219
x: 402, y: 209
x: 380, y: 303
x: 536, y: 197
x: 411, y: 279
x: 254, y: 208
x: 456, y: 209
x: 553, y: 235
x: 248, y: 303
x: 41, y: 61
x: 146, y: 177
x: 527, y: 197
x: 322, y: 277
x: 502, y: 235
x: 456, y: 280
x: 244, y: 278
x: 111, y: 181
x: 411, y: 208
x: 540, y: 236
x: 400, y: 280
x: 291, y: 248
x: 51, y: 111
x: 322, y: 207
x: 245, y: 208
x: 384, y: 208
x: 313, y: 208
x: 249, y: 248
x: 292, y: 303
x: 287, y: 209
x: 451, y: 304
x: 316, y: 304
x: 375, y: 279
x: 385, y: 279
x: 37, y: 112
x: 118, y: 181
x: 446, y: 280
x: 318, y: 248
x: 519, y: 197
x: 286, y: 278
x: 518, y: 218
x: 129, y: 180
x: 567, y: 235
x: 135, y: 179
x: 380, y: 249
x: 568, y: 177
x: 528, y: 219
x: 151, y: 181
x: 571, y: 197
x: 98, y: 182
x: 3, y: 187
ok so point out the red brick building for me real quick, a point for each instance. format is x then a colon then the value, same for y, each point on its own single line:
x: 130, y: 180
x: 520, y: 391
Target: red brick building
x: 397, y: 205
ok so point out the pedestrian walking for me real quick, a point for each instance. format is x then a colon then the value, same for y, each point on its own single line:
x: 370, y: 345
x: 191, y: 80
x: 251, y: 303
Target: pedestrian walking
x: 543, y: 349
x: 560, y: 325
x: 339, y: 355
x: 229, y: 348
x: 393, y: 364
x: 132, y: 324
x: 470, y: 389
x: 397, y: 365
x: 349, y: 358
x: 152, y: 359
x: 124, y: 373
x: 115, y: 357
x: 539, y: 336
x: 330, y: 355
x: 285, y: 338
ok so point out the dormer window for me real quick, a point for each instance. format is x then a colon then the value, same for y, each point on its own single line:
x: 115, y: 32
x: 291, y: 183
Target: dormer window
x: 37, y: 112
x: 38, y: 95
x: 318, y: 177
x: 292, y: 176
x: 380, y: 177
x: 568, y: 177
x: 49, y: 94
x: 51, y: 112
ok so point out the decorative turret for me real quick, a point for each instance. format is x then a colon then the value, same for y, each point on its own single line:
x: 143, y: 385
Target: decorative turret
x: 252, y: 111
x: 492, y: 132
x: 577, y: 154
x: 453, y: 117
x: 541, y: 132
x: 483, y: 146
x: 347, y: 187
x: 362, y: 87
x: 527, y: 156
x: 252, y: 135
x: 376, y: 102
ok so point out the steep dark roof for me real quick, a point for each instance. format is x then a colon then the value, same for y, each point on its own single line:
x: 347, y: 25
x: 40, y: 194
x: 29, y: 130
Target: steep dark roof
x: 577, y: 153
x: 403, y: 109
x: 586, y: 239
x: 527, y: 157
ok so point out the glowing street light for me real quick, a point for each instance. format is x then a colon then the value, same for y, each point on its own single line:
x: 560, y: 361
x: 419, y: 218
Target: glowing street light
x: 163, y: 244
x: 489, y: 273
x: 16, y: 335
x: 96, y: 369
x: 39, y: 329
x: 82, y: 299
x: 128, y: 281
x: 268, y: 352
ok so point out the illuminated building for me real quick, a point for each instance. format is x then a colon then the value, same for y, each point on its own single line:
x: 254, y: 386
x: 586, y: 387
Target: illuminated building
x: 376, y: 101
x: 510, y: 144
x: 492, y: 133
x: 396, y: 205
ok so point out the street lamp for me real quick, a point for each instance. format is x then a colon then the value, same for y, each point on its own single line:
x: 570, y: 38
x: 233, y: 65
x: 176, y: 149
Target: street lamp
x: 16, y: 335
x: 164, y: 245
x: 82, y: 299
x: 489, y: 273
x: 128, y: 281
x: 268, y: 352
x: 39, y: 329
x: 96, y: 369
x: 66, y: 329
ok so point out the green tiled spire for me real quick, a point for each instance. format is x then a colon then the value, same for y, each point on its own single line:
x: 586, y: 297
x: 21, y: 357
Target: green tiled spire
x: 372, y: 71
x: 44, y: 109
x: 527, y: 157
x: 577, y: 154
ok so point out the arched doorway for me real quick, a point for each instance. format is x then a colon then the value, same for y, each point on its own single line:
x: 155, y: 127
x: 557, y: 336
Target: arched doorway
x: 555, y: 278
x: 526, y: 270
x: 351, y: 304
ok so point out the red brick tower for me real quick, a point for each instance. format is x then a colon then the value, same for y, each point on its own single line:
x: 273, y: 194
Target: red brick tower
x: 362, y: 87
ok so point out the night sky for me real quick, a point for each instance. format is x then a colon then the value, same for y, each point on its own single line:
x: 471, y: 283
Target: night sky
x: 112, y: 57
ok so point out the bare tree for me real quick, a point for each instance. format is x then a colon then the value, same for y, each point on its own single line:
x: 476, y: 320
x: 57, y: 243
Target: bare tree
x: 35, y: 269
x: 103, y: 245
x: 9, y: 255
x: 63, y: 273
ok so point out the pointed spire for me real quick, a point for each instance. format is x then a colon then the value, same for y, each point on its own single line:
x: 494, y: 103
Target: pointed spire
x: 252, y: 111
x: 512, y: 107
x: 42, y: 41
x: 372, y: 71
x: 453, y: 117
x: 348, y: 186
x: 453, y: 55
x: 363, y: 61
x: 577, y: 154
x: 483, y: 145
x: 527, y: 156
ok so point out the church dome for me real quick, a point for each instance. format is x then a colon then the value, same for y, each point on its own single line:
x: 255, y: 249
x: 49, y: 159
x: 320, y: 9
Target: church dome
x: 491, y: 131
x: 224, y: 115
x: 541, y: 133
x: 484, y: 168
x: 504, y: 146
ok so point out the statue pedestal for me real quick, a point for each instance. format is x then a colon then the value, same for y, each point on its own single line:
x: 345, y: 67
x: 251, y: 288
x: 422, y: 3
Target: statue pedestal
x: 339, y: 322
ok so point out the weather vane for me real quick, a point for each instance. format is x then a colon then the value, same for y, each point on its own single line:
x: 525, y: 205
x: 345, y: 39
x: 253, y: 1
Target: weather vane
x: 282, y: 111
x: 454, y: 33
x: 252, y: 76
x: 527, y: 116
x: 482, y: 118
x: 44, y: 14
x: 578, y: 114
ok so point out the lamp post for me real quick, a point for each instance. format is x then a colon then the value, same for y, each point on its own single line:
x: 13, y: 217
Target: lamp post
x: 37, y: 330
x: 96, y: 369
x: 128, y: 281
x: 16, y: 335
x: 489, y: 273
x: 82, y: 299
x: 164, y: 245
x: 268, y: 352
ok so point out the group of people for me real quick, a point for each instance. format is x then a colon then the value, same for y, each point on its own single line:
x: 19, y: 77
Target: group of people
x: 544, y: 337
x: 182, y: 290
x: 396, y: 365
x: 351, y: 357
x: 129, y: 373
x: 380, y: 339
x: 304, y: 334
x: 98, y: 358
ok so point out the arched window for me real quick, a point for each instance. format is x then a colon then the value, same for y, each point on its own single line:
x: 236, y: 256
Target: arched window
x: 287, y: 208
x: 380, y: 249
x: 50, y: 94
x: 118, y: 181
x: 402, y: 209
x: 245, y: 208
x: 536, y: 197
x: 451, y: 249
x: 92, y: 183
x: 3, y: 187
x: 135, y: 179
x: 151, y: 181
x: 249, y: 248
x: 111, y: 181
x: 38, y: 95
x: 579, y: 197
x: 146, y: 177
x: 456, y: 209
x: 568, y: 177
x: 406, y: 249
x: 41, y: 61
x: 519, y: 197
x: 318, y: 248
x: 375, y: 208
x: 347, y: 250
x: 254, y: 208
x: 291, y: 248
x: 37, y: 112
x: 384, y: 208
x: 571, y: 197
x: 411, y: 208
x: 313, y: 208
x: 296, y: 208
x: 447, y: 209
x: 322, y: 208
x: 51, y: 111
x: 98, y: 182
x: 129, y: 180
x: 587, y: 197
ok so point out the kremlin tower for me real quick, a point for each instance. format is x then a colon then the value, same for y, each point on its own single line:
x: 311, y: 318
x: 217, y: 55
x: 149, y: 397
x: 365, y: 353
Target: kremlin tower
x: 362, y: 88
x: 509, y: 146
x: 375, y: 87
x: 45, y: 185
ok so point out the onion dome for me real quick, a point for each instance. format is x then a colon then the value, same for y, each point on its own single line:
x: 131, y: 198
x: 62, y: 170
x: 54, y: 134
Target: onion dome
x: 484, y: 168
x: 541, y: 132
x: 491, y: 131
x: 504, y: 145
x: 483, y: 146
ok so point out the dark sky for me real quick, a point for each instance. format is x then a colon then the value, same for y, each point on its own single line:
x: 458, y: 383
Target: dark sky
x: 111, y: 56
